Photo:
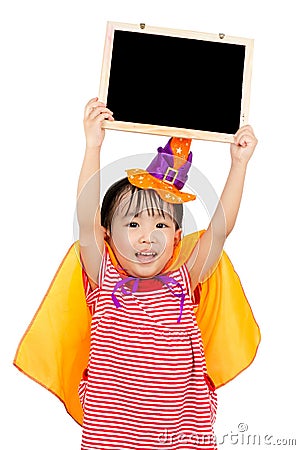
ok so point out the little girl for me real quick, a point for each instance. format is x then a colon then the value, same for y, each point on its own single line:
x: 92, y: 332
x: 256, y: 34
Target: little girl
x: 146, y: 385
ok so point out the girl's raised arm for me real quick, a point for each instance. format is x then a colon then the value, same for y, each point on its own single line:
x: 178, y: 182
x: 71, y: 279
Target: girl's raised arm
x: 91, y: 234
x: 210, y: 245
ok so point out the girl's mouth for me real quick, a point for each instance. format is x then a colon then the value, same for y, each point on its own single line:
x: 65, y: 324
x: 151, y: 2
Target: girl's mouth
x: 145, y: 257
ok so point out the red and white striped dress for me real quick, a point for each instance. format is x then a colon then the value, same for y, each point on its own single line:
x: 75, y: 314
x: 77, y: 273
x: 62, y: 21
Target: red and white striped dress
x: 146, y: 385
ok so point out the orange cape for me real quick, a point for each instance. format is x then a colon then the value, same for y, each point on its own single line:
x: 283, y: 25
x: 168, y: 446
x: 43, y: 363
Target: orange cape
x: 54, y: 350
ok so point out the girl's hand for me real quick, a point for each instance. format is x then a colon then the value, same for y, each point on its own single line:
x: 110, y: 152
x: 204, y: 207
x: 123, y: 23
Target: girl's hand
x: 244, y: 145
x: 95, y: 113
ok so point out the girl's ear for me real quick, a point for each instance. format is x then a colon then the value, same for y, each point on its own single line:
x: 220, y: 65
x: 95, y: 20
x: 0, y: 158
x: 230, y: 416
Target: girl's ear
x: 177, y: 236
x: 105, y: 233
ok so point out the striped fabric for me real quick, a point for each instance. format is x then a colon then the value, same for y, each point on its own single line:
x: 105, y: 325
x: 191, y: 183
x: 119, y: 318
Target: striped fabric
x: 146, y: 385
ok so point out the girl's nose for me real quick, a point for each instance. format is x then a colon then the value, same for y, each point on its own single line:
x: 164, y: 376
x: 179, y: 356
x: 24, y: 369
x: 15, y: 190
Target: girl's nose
x: 145, y: 239
x: 147, y: 236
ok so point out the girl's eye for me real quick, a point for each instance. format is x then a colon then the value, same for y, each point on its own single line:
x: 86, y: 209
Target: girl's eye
x: 133, y: 225
x: 161, y: 225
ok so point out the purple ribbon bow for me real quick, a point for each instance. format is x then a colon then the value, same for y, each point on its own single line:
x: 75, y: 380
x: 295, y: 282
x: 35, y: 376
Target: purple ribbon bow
x: 163, y: 278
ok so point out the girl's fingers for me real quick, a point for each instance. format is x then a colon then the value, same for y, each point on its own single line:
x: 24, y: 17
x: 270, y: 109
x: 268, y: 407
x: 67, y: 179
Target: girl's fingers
x: 88, y: 106
x: 100, y: 110
x: 245, y: 129
x: 91, y: 105
x: 244, y: 136
x: 93, y: 111
x: 101, y: 117
x: 95, y: 99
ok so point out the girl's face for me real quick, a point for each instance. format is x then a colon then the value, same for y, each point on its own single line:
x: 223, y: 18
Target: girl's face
x: 143, y: 241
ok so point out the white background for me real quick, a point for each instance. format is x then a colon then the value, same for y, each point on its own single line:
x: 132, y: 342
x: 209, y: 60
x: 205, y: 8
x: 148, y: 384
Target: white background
x: 51, y: 55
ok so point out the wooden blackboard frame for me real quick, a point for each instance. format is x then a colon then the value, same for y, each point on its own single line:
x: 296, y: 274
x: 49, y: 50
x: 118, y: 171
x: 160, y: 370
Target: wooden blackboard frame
x: 170, y: 130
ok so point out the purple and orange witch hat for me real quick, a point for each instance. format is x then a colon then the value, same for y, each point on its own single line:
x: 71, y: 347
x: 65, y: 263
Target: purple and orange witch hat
x: 168, y: 171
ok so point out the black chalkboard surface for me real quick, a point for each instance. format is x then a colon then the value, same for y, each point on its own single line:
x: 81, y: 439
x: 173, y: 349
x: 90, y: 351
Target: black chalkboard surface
x: 162, y: 83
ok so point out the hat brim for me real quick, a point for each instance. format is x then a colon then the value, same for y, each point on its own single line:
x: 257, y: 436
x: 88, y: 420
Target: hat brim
x: 167, y: 191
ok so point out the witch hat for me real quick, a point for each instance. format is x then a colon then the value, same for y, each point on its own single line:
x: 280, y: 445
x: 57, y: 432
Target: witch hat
x: 168, y: 171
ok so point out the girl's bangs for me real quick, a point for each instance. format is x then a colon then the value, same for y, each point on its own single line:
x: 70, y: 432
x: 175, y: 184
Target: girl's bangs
x: 146, y: 200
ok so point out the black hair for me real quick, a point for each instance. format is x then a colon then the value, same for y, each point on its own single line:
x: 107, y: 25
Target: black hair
x: 147, y: 197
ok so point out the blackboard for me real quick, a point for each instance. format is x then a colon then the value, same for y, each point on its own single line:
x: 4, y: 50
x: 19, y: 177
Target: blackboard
x: 176, y: 83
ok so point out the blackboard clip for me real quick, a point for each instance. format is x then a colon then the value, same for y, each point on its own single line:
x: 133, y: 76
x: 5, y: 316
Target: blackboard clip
x: 142, y: 26
x: 221, y: 35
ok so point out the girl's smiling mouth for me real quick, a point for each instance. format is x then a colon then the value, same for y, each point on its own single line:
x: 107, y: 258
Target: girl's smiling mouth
x: 146, y: 256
